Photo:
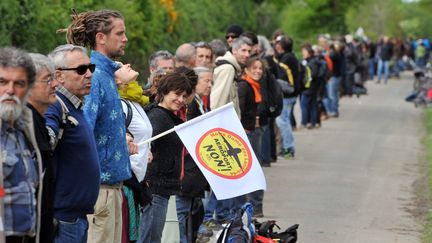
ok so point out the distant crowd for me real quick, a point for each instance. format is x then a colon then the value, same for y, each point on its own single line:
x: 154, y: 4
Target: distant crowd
x: 74, y: 124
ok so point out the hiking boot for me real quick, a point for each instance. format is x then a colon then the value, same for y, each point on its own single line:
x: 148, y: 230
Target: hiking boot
x: 213, y: 225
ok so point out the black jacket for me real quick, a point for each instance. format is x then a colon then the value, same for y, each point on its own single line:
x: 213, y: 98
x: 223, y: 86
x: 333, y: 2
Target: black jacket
x: 163, y: 173
x: 47, y: 213
x: 247, y: 104
x: 194, y: 183
x: 292, y: 62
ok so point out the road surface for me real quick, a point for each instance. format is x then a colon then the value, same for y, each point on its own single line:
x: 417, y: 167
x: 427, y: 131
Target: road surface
x: 352, y: 180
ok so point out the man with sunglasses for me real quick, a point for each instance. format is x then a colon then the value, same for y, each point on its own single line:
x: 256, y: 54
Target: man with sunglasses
x: 75, y: 157
x: 42, y: 94
x: 233, y: 32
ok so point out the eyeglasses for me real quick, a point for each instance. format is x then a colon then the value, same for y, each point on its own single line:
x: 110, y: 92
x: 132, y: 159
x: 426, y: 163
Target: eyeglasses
x: 231, y: 36
x: 48, y: 80
x: 81, y: 69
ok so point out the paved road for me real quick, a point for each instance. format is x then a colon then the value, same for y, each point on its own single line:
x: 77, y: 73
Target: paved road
x: 352, y: 180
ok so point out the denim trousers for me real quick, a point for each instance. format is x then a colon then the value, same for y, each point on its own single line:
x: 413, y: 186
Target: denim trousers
x: 309, y: 105
x: 183, y: 206
x: 383, y: 69
x: 255, y: 139
x: 265, y: 144
x: 145, y: 224
x: 256, y: 199
x: 283, y: 121
x: 371, y: 68
x: 72, y: 232
x: 331, y: 102
x: 153, y: 220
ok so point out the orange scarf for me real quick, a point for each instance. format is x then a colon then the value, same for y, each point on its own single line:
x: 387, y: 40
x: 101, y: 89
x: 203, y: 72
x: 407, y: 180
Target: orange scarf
x: 255, y: 86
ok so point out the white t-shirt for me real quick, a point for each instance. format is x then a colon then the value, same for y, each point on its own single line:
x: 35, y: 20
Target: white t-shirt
x: 142, y: 130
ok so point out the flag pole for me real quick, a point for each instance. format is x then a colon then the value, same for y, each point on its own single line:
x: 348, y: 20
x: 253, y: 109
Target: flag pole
x: 196, y: 119
x: 157, y: 136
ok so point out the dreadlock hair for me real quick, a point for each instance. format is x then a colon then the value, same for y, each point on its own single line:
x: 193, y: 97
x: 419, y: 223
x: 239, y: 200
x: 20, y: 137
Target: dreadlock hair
x: 84, y: 27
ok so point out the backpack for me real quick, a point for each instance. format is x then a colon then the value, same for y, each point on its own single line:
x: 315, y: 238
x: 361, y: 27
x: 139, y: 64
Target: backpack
x: 273, y: 95
x: 287, y: 86
x: 128, y: 115
x: 66, y: 119
x: 305, y: 76
x: 241, y: 229
x: 222, y: 62
x: 266, y: 233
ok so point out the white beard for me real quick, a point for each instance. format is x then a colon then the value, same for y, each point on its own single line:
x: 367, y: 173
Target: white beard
x: 10, y: 112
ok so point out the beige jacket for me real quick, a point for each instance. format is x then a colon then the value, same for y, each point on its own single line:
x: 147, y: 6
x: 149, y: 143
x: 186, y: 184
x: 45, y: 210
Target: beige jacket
x: 224, y: 89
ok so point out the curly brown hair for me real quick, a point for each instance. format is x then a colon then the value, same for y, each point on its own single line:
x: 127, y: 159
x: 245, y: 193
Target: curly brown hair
x: 84, y: 27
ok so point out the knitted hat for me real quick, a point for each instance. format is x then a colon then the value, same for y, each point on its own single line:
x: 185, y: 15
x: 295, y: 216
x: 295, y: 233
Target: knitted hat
x: 236, y: 29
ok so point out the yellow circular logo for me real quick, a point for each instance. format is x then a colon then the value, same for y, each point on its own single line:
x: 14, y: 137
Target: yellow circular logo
x: 224, y: 153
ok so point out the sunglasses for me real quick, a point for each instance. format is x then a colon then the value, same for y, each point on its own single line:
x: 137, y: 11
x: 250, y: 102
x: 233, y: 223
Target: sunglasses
x: 81, y: 69
x: 231, y: 36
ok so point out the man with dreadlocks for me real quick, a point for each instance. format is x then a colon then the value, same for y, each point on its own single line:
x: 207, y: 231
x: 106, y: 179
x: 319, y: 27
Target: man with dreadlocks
x: 105, y: 33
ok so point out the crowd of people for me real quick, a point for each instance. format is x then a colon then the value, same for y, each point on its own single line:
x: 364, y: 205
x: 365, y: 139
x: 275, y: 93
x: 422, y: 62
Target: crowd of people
x: 74, y: 124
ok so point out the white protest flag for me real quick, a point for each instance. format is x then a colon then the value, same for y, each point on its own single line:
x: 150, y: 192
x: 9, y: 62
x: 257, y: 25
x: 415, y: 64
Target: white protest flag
x: 219, y: 145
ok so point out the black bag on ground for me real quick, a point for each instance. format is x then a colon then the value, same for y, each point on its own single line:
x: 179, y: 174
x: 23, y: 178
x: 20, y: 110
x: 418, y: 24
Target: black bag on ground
x: 266, y: 229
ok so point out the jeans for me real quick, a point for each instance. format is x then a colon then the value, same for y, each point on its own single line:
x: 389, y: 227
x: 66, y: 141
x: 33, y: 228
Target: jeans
x: 256, y: 199
x: 331, y: 102
x: 72, y: 232
x: 371, y: 68
x: 383, y: 68
x: 145, y: 224
x: 157, y: 215
x: 210, y: 207
x: 183, y: 205
x: 255, y: 138
x: 308, y: 104
x: 284, y: 123
x: 265, y: 144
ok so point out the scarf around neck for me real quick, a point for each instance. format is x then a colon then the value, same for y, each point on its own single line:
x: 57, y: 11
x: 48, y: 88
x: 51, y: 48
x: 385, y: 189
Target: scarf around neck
x: 255, y: 87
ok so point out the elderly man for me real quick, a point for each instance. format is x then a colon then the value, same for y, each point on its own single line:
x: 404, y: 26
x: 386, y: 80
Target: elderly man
x: 20, y: 156
x: 75, y: 157
x: 42, y: 94
x: 185, y: 56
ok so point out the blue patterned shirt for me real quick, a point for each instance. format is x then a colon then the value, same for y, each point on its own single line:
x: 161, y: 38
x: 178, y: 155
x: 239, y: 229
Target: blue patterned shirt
x: 20, y: 178
x: 104, y: 113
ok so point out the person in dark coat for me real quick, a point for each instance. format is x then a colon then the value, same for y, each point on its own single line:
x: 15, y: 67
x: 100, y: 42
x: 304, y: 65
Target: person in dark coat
x: 164, y: 173
x: 41, y: 96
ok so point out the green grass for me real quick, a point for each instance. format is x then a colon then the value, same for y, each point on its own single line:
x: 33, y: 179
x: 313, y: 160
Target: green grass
x: 427, y: 232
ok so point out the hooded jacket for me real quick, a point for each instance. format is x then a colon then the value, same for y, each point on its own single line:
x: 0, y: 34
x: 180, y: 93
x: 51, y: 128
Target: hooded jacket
x: 224, y: 89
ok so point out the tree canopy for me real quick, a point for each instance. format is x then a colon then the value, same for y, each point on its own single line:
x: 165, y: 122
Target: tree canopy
x: 164, y: 24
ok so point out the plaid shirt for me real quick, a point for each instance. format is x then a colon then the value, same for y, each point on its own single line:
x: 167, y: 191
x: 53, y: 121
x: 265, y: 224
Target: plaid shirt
x: 20, y: 178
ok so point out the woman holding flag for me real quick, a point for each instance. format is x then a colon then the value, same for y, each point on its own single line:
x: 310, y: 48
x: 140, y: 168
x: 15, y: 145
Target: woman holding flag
x: 164, y: 173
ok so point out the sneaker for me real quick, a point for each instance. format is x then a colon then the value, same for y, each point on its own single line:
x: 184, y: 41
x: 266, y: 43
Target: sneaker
x: 204, y: 231
x: 288, y: 154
